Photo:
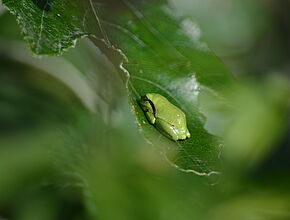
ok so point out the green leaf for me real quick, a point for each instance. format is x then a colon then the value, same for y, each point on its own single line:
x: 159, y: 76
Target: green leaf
x: 162, y: 52
x: 165, y: 55
x: 52, y: 26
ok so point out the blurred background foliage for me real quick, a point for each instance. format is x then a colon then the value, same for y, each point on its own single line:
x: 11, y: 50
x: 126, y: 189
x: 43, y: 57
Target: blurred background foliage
x: 69, y: 148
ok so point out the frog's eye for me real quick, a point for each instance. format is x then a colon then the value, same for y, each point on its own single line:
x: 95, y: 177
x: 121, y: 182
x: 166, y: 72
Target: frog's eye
x: 145, y: 108
x: 152, y: 108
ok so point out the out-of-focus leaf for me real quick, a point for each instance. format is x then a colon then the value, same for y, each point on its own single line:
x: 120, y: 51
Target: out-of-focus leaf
x: 259, y: 206
x: 11, y: 30
x: 232, y: 27
x: 259, y: 118
x: 19, y: 157
x: 2, y: 10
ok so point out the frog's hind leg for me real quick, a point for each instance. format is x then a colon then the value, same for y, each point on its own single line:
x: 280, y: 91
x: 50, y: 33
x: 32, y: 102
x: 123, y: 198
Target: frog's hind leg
x: 167, y: 129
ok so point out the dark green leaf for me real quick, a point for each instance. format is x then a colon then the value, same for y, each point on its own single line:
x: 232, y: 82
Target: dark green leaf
x: 165, y: 55
x: 51, y: 26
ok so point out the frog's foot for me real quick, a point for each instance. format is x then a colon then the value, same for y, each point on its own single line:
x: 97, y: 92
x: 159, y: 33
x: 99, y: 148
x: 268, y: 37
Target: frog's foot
x: 184, y: 137
x: 187, y: 134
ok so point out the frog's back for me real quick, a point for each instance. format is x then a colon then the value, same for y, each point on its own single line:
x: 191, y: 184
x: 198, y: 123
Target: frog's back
x: 165, y: 108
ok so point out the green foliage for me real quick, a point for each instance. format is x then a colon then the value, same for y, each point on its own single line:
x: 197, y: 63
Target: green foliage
x: 49, y: 28
x: 69, y: 147
x: 162, y: 53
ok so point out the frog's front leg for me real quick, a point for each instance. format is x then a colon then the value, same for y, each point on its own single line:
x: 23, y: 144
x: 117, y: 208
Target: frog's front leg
x: 167, y: 129
x: 151, y: 118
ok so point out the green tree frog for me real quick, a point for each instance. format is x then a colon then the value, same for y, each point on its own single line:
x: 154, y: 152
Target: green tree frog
x: 165, y: 116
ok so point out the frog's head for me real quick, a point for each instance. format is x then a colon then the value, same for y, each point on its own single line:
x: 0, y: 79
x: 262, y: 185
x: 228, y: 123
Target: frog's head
x: 148, y: 107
